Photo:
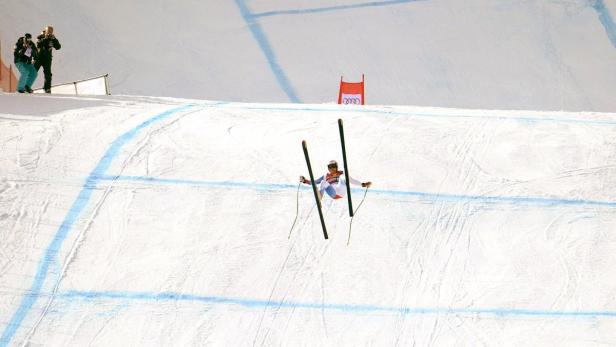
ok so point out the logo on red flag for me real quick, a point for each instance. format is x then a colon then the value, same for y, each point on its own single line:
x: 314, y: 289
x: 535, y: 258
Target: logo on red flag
x: 351, y: 93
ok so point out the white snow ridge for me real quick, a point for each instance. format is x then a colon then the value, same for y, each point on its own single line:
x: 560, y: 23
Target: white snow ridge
x: 160, y: 221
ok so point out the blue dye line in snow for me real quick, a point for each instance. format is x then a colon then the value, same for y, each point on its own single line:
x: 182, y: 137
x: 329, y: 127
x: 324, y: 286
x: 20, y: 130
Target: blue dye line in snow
x: 606, y: 20
x: 267, y: 50
x: 339, y: 110
x: 422, y: 195
x: 216, y: 184
x: 347, y: 308
x: 49, y: 257
x: 334, y: 8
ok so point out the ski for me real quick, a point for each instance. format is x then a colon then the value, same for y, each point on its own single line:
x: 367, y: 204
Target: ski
x: 314, y: 188
x: 346, y: 167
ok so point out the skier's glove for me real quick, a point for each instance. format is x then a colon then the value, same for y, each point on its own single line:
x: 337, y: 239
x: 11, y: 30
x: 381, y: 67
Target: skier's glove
x: 366, y: 184
x: 302, y: 179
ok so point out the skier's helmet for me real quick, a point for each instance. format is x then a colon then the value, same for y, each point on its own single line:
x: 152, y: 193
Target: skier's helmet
x: 332, y: 164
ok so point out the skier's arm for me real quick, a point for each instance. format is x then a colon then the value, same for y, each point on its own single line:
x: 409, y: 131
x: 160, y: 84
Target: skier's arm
x: 306, y: 181
x: 356, y: 182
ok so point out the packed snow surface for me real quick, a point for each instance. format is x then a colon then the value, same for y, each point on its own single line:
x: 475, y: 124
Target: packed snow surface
x: 157, y: 221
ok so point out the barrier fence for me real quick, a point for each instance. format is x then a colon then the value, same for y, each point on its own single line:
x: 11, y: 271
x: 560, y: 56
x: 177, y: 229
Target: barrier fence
x: 92, y: 86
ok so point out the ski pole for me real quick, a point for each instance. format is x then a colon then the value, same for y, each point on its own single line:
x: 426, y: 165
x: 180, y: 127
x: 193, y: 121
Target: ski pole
x: 296, y: 210
x: 358, y: 206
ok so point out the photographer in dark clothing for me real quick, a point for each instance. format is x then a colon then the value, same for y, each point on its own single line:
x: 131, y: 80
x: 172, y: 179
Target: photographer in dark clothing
x: 46, y: 42
x: 24, y: 55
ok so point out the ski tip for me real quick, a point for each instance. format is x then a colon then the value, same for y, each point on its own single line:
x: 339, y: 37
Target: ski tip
x: 303, y: 143
x: 340, y: 121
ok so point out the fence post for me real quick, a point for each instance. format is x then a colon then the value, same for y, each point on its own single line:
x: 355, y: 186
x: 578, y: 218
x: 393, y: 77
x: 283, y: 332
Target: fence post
x: 75, y: 85
x: 107, y: 85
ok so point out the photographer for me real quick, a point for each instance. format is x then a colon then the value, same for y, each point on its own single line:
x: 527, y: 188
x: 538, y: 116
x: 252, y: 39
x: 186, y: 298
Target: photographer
x: 24, y: 55
x: 46, y: 42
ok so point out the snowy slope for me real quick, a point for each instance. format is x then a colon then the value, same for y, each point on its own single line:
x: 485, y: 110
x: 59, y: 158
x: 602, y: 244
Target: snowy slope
x: 158, y: 221
x: 532, y: 55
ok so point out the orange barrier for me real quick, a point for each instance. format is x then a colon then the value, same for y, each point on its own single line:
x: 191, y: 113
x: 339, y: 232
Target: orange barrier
x: 351, y: 92
x: 8, y: 81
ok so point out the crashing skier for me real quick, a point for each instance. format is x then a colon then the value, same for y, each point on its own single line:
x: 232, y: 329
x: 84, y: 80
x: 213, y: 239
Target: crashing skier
x: 332, y: 183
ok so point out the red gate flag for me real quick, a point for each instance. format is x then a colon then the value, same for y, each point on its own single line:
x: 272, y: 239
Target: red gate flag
x: 351, y: 92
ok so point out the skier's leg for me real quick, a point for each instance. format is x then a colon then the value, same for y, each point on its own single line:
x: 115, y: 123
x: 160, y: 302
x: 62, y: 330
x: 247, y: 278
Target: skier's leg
x: 322, y: 187
x: 325, y: 187
x: 340, y: 191
x: 331, y: 191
